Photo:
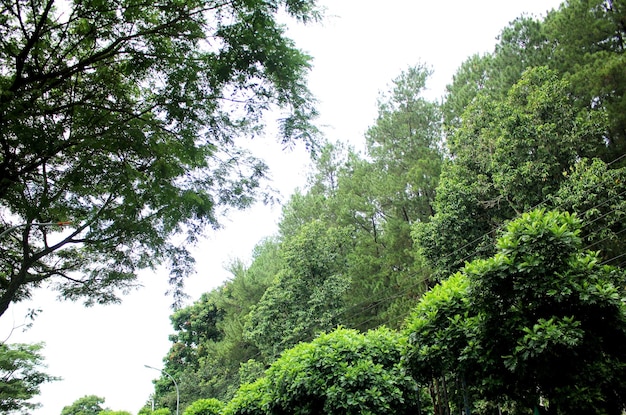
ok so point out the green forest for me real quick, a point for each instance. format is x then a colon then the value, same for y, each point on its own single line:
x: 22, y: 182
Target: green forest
x: 472, y: 260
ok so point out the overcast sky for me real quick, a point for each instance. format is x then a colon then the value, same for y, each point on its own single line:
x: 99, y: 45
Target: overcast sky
x: 359, y: 48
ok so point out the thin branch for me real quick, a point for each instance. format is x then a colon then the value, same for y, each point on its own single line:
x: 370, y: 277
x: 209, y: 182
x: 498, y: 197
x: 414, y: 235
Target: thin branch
x: 21, y: 58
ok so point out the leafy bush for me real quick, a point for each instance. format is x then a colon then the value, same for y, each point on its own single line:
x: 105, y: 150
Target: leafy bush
x: 204, y: 407
x: 342, y: 372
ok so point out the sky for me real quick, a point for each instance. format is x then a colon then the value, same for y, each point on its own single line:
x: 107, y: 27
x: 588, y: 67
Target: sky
x: 359, y: 48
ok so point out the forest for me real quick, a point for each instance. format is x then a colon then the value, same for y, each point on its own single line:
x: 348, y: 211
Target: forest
x: 471, y: 260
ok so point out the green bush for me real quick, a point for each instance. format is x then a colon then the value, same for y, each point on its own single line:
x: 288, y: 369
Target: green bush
x: 204, y: 407
x: 342, y: 372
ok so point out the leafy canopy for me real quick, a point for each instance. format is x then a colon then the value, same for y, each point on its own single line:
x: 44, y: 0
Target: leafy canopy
x: 542, y: 317
x: 204, y: 407
x: 87, y: 405
x: 341, y: 372
x: 20, y: 376
x: 125, y: 118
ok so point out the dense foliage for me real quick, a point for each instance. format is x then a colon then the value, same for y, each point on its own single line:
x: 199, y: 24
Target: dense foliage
x: 20, y: 376
x: 343, y: 372
x: 204, y: 407
x: 470, y: 259
x: 126, y: 119
x: 457, y: 212
x: 86, y: 405
x: 92, y: 405
x: 541, y: 319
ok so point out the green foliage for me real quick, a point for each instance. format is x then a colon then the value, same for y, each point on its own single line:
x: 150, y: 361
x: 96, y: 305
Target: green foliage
x: 204, y: 407
x: 469, y: 80
x: 195, y: 325
x: 440, y: 330
x: 521, y: 45
x: 587, y: 45
x: 119, y: 117
x: 537, y: 123
x: 211, y: 364
x: 550, y: 94
x: 545, y: 303
x: 404, y: 146
x: 543, y: 133
x: 596, y: 191
x: 510, y: 156
x: 20, y: 376
x: 342, y: 372
x: 250, y: 399
x: 87, y: 405
x: 109, y: 412
x: 343, y: 255
x: 540, y: 318
x: 160, y: 411
x: 306, y: 296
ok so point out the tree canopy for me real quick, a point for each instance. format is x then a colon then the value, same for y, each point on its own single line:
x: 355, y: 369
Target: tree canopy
x: 126, y: 119
x: 86, y: 405
x: 495, y: 215
x: 21, y: 376
x: 542, y: 318
x: 342, y: 372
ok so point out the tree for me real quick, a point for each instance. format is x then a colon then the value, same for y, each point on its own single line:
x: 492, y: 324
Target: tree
x: 510, y: 156
x: 588, y: 40
x: 209, y: 354
x: 470, y: 79
x: 307, y: 296
x: 342, y: 372
x: 196, y: 328
x: 20, y: 376
x: 404, y: 145
x: 87, y: 405
x: 521, y: 45
x: 541, y: 318
x: 596, y: 191
x: 126, y: 118
x: 440, y: 332
x: 553, y: 320
x: 195, y: 325
x: 204, y: 407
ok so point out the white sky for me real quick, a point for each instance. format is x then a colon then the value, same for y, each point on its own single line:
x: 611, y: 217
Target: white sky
x: 360, y: 47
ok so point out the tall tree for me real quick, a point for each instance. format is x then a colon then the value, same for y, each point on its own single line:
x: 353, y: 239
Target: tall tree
x: 588, y: 41
x: 125, y: 118
x: 307, y: 296
x: 404, y: 144
x: 509, y: 156
x: 470, y: 79
x: 522, y: 44
x: 385, y: 192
